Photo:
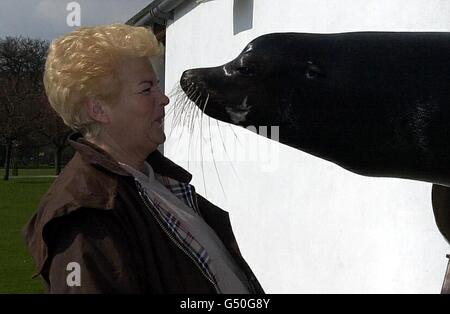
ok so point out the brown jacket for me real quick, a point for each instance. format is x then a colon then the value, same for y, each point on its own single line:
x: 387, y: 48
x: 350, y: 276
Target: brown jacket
x: 93, y: 215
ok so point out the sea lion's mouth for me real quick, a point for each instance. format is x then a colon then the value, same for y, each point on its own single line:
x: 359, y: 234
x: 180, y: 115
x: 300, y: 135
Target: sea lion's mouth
x: 236, y: 116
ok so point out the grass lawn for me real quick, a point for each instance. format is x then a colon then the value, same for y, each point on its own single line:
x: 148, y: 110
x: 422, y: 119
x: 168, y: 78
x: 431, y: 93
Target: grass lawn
x: 31, y: 172
x: 19, y: 198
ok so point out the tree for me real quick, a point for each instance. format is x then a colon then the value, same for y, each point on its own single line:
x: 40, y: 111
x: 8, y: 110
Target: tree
x: 22, y: 62
x: 52, y: 129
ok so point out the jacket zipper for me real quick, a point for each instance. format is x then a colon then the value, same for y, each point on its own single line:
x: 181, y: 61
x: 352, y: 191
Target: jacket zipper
x: 247, y: 272
x: 177, y: 242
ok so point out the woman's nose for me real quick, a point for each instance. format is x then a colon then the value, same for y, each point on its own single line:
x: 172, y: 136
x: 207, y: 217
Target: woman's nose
x: 164, y: 100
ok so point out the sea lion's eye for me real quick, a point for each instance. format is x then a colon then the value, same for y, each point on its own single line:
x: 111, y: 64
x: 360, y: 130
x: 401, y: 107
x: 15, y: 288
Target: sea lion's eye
x: 312, y: 71
x: 245, y: 71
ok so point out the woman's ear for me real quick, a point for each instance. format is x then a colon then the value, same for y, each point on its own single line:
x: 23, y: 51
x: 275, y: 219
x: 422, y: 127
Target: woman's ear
x: 96, y: 110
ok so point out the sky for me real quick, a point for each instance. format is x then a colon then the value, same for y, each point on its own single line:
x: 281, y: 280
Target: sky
x: 47, y: 19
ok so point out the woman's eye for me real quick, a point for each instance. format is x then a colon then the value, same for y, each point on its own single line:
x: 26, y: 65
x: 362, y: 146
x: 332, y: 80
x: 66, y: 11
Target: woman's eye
x: 147, y: 90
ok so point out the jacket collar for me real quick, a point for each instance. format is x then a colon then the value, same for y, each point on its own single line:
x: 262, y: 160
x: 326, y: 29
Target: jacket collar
x: 94, y: 155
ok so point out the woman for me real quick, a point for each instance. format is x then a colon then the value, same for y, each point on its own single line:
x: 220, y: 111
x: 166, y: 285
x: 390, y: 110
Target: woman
x: 122, y: 218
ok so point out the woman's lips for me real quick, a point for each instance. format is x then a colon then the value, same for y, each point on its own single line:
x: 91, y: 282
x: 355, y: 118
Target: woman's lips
x: 160, y: 121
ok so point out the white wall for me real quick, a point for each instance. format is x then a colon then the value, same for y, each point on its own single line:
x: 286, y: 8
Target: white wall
x: 306, y: 225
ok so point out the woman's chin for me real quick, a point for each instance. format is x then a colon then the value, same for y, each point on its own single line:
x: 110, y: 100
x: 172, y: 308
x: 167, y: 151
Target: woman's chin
x: 162, y: 139
x: 159, y: 138
x: 157, y: 135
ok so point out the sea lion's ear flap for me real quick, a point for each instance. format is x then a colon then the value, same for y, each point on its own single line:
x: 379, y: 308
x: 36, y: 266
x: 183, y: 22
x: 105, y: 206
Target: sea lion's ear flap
x: 313, y: 71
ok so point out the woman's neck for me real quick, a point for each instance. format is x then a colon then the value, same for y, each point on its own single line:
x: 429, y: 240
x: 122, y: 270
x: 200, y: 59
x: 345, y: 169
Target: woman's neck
x: 121, y: 152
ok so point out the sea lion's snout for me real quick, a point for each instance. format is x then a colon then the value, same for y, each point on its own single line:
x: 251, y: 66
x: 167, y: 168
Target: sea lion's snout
x: 219, y: 97
x: 186, y: 79
x: 204, y: 88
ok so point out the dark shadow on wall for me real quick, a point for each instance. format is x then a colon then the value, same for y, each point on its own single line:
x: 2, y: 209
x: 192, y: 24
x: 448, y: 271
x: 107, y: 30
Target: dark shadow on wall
x: 242, y: 15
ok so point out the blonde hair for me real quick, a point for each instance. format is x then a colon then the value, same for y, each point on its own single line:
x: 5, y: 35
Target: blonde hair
x: 84, y: 63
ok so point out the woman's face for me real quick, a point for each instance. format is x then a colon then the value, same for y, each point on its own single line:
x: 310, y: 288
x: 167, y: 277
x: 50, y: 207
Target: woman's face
x: 136, y: 119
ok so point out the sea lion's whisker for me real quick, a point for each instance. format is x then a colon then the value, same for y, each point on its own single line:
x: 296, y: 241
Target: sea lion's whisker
x: 174, y: 91
x: 198, y: 111
x: 177, y: 108
x: 190, y: 120
x: 175, y: 104
x: 201, y: 156
x: 182, y: 105
x: 193, y: 112
x: 235, y: 135
x: 214, y: 159
x: 172, y: 106
x: 184, y: 99
x: 184, y: 95
x: 194, y: 120
x: 187, y: 105
x: 225, y: 149
x: 206, y: 102
x: 177, y: 96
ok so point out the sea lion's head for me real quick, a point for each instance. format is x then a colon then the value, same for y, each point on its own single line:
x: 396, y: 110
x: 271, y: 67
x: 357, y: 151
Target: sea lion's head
x: 256, y: 87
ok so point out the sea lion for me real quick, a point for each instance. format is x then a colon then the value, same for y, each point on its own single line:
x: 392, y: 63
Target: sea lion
x: 375, y: 103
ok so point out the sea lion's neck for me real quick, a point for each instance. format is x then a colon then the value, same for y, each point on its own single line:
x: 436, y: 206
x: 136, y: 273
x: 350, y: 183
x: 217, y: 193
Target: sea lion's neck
x: 408, y: 157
